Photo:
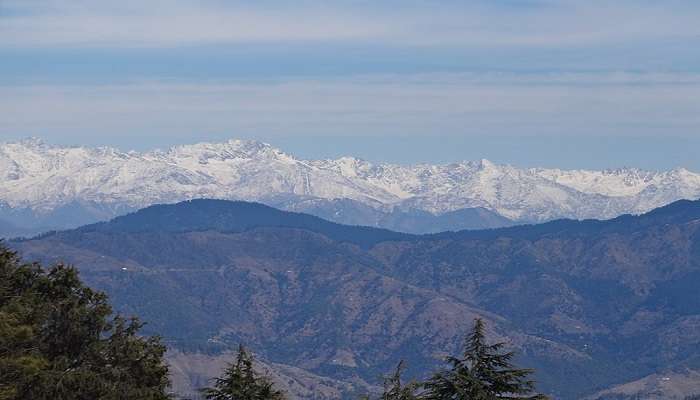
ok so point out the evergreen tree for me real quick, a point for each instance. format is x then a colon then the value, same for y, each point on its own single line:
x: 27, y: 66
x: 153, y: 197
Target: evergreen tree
x: 241, y: 382
x: 57, y: 340
x: 484, y: 372
x: 394, y: 389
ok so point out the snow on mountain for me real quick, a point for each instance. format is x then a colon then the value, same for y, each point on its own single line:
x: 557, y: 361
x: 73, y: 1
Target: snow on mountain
x: 43, y: 178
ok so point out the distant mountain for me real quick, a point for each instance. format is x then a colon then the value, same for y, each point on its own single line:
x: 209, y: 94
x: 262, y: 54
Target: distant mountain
x: 235, y: 216
x: 28, y: 222
x: 351, y: 212
x: 7, y: 229
x: 48, y: 186
x: 592, y: 305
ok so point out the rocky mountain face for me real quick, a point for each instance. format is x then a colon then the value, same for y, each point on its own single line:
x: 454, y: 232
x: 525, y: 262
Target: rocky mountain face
x: 669, y: 385
x: 594, y: 306
x: 44, y: 187
x: 351, y: 212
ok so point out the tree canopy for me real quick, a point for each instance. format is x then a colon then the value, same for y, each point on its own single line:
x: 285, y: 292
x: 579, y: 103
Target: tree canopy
x: 396, y: 389
x: 483, y: 372
x: 241, y: 382
x: 60, y: 340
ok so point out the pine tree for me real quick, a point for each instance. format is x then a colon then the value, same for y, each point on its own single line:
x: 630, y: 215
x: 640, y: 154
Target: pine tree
x: 394, y: 389
x: 241, y: 382
x: 484, y: 372
x: 57, y: 340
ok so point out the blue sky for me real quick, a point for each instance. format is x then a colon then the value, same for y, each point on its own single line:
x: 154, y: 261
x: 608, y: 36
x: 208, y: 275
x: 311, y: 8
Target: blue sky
x: 592, y: 84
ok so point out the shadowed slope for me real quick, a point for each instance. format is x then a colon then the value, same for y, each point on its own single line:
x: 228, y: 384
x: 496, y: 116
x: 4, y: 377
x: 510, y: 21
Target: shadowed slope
x: 589, y: 304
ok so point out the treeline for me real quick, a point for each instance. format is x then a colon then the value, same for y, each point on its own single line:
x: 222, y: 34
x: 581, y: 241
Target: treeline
x: 60, y: 340
x: 483, y: 372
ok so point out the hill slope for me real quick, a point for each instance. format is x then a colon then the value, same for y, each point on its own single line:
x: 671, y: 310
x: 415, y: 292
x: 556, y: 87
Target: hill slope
x: 590, y: 304
x: 235, y: 216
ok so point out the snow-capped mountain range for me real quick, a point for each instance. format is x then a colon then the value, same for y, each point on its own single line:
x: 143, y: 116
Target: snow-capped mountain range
x: 40, y: 179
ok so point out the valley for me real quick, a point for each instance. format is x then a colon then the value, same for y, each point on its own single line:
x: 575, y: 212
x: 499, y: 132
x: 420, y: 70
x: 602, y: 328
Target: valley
x: 588, y: 304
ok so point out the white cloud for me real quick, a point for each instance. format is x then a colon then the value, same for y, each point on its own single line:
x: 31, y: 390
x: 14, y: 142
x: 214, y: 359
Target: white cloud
x: 446, y: 104
x: 132, y: 23
x: 168, y: 27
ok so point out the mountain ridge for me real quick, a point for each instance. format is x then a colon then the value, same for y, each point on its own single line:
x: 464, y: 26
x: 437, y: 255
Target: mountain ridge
x: 107, y: 182
x: 236, y: 216
x: 589, y: 304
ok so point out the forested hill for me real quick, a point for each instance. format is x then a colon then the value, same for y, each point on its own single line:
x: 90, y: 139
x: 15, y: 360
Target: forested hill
x: 589, y: 304
x: 240, y: 216
x: 235, y: 216
x: 678, y: 212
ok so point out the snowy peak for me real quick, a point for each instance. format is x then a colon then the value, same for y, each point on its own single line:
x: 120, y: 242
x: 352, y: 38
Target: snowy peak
x: 243, y: 149
x: 31, y: 142
x: 40, y: 177
x: 620, y: 182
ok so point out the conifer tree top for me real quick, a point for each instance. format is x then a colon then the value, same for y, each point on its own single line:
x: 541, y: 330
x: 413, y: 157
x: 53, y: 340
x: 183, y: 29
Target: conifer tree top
x: 484, y: 371
x: 240, y: 382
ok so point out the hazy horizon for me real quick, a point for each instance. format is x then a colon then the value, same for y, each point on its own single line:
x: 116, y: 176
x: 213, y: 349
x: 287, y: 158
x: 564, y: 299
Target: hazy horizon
x: 567, y: 84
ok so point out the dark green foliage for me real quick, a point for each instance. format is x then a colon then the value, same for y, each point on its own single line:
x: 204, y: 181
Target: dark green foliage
x: 57, y: 340
x: 394, y: 389
x: 241, y: 382
x: 484, y: 372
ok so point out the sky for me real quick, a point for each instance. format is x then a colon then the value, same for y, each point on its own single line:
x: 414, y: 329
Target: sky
x: 571, y: 84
